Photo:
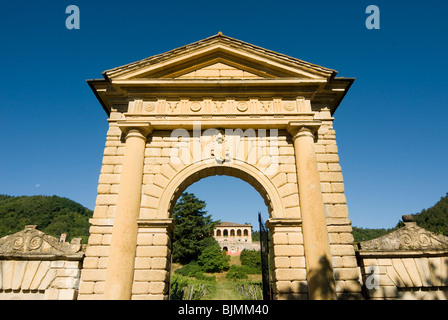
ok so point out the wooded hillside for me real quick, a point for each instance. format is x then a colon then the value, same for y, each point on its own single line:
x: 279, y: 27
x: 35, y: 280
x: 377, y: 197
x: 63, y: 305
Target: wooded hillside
x: 434, y: 219
x: 52, y: 214
x: 55, y: 215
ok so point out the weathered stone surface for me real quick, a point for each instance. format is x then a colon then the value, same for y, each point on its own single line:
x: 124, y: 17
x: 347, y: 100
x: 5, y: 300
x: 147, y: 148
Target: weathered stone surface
x: 409, y: 263
x: 34, y: 265
x: 410, y: 237
x: 31, y: 241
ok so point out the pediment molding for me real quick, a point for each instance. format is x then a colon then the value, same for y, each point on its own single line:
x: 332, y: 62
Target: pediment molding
x: 215, y: 48
x: 409, y: 238
x: 220, y: 67
x: 31, y: 241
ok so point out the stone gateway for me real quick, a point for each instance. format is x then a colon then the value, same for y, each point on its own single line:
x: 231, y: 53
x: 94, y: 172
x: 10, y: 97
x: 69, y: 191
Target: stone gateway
x: 220, y: 106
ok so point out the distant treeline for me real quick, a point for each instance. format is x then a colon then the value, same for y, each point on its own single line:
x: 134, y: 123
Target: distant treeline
x: 434, y: 219
x: 55, y: 215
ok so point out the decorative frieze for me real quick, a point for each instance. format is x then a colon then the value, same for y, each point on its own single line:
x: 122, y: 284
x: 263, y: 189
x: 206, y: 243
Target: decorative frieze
x: 273, y: 106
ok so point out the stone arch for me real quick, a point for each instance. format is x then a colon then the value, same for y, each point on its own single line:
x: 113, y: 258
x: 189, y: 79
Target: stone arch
x: 190, y: 174
x: 206, y: 168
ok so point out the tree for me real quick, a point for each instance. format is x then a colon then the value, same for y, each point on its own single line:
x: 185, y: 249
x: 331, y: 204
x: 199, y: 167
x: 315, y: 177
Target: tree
x: 192, y: 228
x: 251, y: 259
x: 435, y: 219
x: 364, y: 234
x: 213, y: 259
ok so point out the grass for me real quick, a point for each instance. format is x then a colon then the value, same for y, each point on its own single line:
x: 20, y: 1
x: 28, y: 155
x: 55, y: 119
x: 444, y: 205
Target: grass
x: 224, y: 289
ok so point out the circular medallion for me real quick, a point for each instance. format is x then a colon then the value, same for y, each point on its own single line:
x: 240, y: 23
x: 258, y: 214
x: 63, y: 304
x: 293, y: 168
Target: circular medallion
x: 150, y: 106
x: 18, y: 243
x: 424, y: 239
x: 195, y: 106
x: 35, y: 243
x: 405, y: 239
x: 288, y: 106
x: 242, y: 106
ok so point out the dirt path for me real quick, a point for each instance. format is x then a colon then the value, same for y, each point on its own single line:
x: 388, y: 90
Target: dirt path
x: 225, y: 290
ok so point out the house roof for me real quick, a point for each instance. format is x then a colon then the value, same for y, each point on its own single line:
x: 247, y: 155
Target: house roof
x: 232, y: 224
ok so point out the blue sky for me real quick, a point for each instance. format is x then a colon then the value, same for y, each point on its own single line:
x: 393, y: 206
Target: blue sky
x: 391, y: 127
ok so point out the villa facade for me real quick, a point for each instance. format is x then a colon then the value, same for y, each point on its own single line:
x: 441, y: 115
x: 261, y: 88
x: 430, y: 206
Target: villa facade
x: 234, y: 237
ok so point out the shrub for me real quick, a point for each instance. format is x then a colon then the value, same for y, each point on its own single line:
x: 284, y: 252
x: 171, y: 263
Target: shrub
x: 212, y: 259
x: 189, y: 270
x: 251, y: 260
x: 236, y: 272
x: 200, y: 276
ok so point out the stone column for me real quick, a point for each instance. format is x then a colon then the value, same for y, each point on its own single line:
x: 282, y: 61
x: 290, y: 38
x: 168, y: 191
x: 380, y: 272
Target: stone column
x: 120, y: 267
x: 320, y: 277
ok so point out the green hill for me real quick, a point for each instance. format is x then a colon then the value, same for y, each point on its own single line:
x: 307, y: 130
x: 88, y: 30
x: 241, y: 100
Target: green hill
x: 364, y: 234
x: 55, y: 215
x: 434, y: 219
x: 52, y: 214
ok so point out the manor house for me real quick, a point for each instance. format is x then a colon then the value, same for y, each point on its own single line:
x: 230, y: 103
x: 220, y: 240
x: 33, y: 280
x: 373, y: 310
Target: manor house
x: 234, y: 237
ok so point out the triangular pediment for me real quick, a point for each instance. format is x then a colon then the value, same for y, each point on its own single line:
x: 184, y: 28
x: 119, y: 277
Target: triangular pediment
x: 31, y: 241
x: 216, y: 71
x: 410, y: 237
x: 219, y: 57
x: 220, y: 66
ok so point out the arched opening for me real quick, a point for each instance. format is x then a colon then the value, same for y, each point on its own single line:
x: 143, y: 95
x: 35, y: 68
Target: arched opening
x: 240, y: 170
x: 246, y: 232
x: 216, y: 192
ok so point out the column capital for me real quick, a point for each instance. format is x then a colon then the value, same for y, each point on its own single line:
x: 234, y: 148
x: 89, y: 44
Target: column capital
x: 299, y: 128
x: 283, y: 223
x: 167, y: 224
x: 126, y: 126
